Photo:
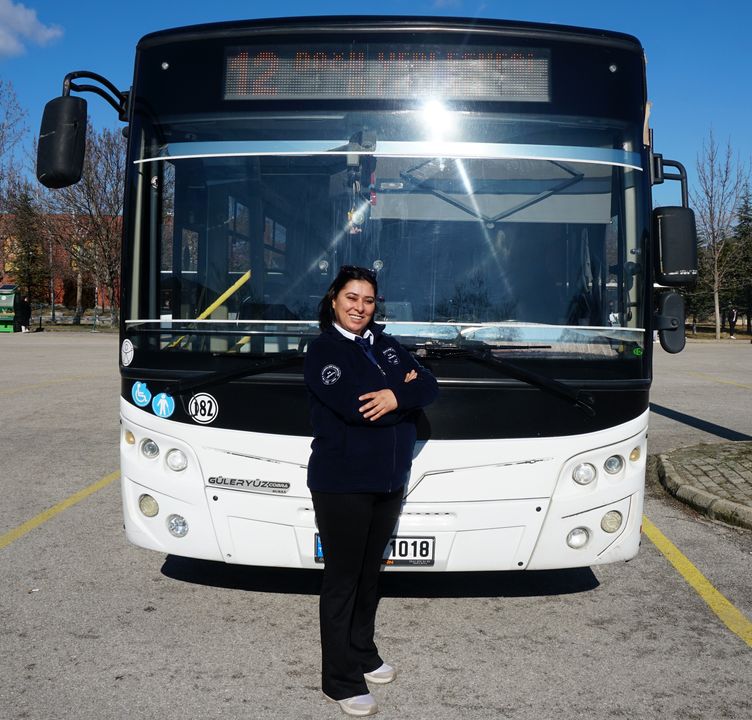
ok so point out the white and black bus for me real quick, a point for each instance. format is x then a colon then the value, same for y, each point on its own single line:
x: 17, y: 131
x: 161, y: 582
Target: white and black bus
x: 497, y: 178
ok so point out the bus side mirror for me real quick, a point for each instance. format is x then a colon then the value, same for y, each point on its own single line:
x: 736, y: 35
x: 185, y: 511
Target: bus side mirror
x: 669, y: 321
x: 676, y: 246
x: 62, y: 142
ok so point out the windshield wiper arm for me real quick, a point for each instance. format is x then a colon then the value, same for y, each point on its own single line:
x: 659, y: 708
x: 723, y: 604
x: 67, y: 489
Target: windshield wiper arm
x: 580, y: 399
x: 217, y: 378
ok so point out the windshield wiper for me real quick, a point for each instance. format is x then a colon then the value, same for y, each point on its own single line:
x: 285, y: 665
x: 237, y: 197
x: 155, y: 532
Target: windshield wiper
x: 280, y: 362
x: 480, y: 353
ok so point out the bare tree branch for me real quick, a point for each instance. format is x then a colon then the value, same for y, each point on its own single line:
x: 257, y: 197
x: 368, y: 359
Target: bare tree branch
x: 720, y: 186
x: 94, y: 209
x: 12, y: 131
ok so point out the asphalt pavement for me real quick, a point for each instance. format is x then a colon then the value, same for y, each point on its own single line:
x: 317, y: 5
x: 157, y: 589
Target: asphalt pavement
x: 95, y: 628
x: 712, y: 477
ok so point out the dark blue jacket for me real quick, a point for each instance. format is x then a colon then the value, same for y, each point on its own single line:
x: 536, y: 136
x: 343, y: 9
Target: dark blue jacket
x: 350, y: 453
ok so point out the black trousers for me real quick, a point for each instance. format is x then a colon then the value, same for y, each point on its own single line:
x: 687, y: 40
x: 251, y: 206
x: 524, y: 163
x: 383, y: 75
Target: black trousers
x: 354, y: 529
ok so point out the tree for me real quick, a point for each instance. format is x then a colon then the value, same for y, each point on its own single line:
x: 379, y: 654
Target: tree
x: 25, y: 244
x: 93, y: 208
x: 721, y: 181
x: 12, y: 130
x: 743, y: 268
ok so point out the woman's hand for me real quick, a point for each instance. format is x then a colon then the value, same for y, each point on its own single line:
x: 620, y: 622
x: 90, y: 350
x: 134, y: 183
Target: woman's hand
x: 379, y: 403
x: 382, y: 401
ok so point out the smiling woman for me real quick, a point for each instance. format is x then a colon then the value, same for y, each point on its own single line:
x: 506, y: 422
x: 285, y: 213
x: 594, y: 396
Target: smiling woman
x: 366, y: 393
x: 355, y: 305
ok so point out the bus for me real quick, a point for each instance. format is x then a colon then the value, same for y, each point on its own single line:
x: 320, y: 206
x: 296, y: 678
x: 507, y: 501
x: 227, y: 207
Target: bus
x: 495, y: 175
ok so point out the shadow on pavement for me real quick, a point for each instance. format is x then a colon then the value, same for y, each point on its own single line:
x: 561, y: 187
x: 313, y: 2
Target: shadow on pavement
x: 518, y: 583
x: 695, y: 422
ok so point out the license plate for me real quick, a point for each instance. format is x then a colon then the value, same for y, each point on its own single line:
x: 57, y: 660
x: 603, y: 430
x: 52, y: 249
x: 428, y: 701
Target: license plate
x: 401, y: 550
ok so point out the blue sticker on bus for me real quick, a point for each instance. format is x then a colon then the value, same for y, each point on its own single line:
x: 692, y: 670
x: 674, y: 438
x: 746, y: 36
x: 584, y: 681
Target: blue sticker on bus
x: 163, y: 405
x: 318, y: 550
x: 140, y: 394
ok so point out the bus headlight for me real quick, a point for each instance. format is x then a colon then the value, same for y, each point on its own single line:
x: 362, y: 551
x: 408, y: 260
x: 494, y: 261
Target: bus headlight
x: 148, y: 505
x: 584, y: 474
x: 176, y: 460
x: 614, y: 464
x: 177, y: 525
x: 578, y: 538
x: 149, y: 449
x: 611, y: 521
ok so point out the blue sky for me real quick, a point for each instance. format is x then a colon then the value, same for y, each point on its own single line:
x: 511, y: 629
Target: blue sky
x: 698, y: 54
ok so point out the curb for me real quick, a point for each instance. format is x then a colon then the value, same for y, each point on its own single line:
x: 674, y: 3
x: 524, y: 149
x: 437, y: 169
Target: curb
x: 714, y: 507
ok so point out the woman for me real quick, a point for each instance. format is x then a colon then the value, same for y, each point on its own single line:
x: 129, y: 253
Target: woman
x: 366, y: 390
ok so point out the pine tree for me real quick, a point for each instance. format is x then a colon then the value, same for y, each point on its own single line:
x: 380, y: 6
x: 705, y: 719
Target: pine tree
x: 743, y: 242
x: 27, y: 250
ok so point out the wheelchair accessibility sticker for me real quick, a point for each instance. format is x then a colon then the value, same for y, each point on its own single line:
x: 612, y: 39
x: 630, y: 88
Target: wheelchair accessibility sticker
x: 163, y: 405
x: 140, y: 394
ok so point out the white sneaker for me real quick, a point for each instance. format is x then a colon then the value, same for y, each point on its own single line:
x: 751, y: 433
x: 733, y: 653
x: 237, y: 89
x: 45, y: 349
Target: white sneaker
x: 358, y: 705
x: 381, y: 675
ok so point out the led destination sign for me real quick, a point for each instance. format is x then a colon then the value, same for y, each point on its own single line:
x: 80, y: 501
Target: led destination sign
x: 381, y: 71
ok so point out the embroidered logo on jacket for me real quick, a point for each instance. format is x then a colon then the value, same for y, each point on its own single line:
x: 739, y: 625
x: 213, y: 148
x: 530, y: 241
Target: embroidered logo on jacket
x: 391, y: 356
x: 330, y: 374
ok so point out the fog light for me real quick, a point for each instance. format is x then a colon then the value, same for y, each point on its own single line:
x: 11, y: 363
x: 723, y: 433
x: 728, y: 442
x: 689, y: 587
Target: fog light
x: 148, y: 505
x: 177, y: 525
x: 176, y: 460
x: 611, y: 521
x: 583, y: 474
x: 578, y: 538
x: 634, y: 456
x: 130, y: 438
x: 614, y: 464
x: 149, y: 449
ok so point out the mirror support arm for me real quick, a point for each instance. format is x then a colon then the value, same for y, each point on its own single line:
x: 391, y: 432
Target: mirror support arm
x: 116, y: 98
x: 659, y: 174
x: 681, y: 176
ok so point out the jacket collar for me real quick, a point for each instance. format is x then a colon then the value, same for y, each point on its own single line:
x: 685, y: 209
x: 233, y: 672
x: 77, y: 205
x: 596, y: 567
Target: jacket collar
x: 375, y: 328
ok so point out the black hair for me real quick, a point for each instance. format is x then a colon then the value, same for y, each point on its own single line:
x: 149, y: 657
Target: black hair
x: 345, y: 274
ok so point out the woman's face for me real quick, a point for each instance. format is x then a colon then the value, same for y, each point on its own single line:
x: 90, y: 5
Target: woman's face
x: 354, y: 306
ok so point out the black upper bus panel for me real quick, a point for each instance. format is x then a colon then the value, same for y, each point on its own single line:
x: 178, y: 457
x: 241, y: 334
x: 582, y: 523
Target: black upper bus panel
x: 594, y: 73
x: 391, y: 23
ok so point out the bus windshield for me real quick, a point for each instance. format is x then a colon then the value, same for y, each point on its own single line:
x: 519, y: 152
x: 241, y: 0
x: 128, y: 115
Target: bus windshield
x: 517, y: 234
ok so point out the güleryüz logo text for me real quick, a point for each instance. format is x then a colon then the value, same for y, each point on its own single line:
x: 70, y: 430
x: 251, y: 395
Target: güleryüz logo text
x: 257, y: 485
